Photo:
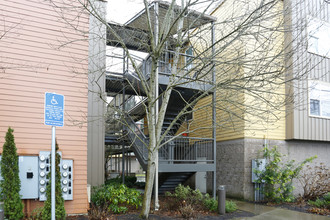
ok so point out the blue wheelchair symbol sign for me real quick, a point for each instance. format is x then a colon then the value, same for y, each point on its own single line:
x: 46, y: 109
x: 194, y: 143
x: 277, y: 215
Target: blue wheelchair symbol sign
x: 54, y: 109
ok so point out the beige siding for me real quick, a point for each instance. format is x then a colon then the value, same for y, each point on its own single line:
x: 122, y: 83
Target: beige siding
x: 299, y: 124
x: 96, y: 104
x: 42, y: 53
x: 249, y: 72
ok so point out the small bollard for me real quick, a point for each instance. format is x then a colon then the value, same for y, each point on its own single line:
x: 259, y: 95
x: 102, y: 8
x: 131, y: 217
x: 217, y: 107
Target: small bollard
x: 221, y: 200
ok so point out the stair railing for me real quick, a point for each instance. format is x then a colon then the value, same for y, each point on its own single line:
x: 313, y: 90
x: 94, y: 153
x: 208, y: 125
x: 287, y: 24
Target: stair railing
x: 139, y: 140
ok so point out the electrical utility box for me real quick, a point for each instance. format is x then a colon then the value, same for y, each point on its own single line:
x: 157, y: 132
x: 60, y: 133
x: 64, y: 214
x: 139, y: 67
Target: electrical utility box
x: 28, y: 174
x: 257, y: 165
x: 67, y: 179
x: 66, y: 169
x: 44, y: 169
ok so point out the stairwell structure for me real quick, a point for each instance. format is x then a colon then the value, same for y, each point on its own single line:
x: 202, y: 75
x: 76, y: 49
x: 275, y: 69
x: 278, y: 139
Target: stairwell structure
x: 181, y: 156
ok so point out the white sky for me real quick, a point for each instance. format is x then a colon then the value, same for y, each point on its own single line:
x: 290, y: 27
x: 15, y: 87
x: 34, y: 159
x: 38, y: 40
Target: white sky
x: 122, y: 10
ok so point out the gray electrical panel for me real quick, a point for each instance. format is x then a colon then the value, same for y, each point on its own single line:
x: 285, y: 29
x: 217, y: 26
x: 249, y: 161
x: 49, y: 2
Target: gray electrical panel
x: 67, y: 179
x: 28, y: 174
x: 258, y: 165
x: 33, y: 173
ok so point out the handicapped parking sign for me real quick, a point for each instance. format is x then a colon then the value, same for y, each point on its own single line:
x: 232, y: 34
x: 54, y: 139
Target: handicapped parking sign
x: 54, y: 109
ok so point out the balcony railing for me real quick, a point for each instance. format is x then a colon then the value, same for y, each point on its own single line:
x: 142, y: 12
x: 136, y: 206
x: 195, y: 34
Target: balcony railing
x: 189, y: 67
x: 187, y: 150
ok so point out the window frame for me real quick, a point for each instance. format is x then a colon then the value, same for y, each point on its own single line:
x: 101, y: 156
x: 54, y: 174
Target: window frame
x: 313, y: 37
x: 313, y: 83
x: 189, y: 58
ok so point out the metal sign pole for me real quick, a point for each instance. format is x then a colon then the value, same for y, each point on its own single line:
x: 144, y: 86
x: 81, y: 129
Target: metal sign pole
x: 54, y: 116
x: 53, y: 172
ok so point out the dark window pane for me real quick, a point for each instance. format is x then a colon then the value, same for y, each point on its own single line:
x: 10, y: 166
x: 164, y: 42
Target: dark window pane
x: 314, y: 107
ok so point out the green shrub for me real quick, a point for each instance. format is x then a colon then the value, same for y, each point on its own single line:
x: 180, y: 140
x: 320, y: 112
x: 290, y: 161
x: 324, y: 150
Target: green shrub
x: 230, y: 206
x: 278, y: 176
x: 59, y: 201
x: 11, y: 184
x: 129, y: 181
x: 187, y: 211
x: 184, y: 194
x: 210, y: 203
x: 321, y: 203
x: 327, y: 197
x: 188, y: 200
x: 36, y: 214
x: 116, y: 197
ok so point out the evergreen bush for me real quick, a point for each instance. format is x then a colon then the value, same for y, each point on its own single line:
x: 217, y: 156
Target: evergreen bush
x: 59, y: 201
x: 11, y: 184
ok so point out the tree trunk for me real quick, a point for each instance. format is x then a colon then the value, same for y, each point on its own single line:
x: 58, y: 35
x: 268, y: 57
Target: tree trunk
x: 149, y: 185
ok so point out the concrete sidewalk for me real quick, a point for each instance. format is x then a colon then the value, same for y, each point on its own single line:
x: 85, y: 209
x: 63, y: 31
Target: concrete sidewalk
x: 271, y: 213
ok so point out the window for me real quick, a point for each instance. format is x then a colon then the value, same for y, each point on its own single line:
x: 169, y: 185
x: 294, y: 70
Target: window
x: 319, y: 98
x: 318, y: 37
x: 189, y: 58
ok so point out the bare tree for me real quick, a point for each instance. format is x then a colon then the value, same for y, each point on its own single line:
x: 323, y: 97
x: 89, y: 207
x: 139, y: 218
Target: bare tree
x: 242, y: 66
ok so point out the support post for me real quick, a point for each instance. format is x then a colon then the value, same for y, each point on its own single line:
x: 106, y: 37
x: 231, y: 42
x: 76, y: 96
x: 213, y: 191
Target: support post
x: 214, y: 131
x: 123, y: 109
x: 156, y: 104
x: 53, y: 173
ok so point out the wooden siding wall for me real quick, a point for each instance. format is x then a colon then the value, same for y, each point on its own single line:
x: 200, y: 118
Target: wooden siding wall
x: 41, y: 53
x: 299, y: 124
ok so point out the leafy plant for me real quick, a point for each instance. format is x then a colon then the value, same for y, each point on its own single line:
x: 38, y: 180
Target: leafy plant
x: 116, y: 197
x: 59, y: 201
x: 129, y: 181
x: 210, y: 203
x: 321, y: 203
x: 36, y: 214
x: 278, y: 176
x: 189, y: 200
x: 315, y: 181
x: 11, y: 184
x: 231, y: 206
x: 186, y: 211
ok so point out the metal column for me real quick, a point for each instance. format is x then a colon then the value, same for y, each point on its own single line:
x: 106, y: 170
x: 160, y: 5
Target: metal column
x: 123, y: 114
x: 214, y: 133
x: 157, y: 103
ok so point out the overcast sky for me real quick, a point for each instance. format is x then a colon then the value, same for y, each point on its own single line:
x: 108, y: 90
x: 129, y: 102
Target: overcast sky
x: 122, y: 10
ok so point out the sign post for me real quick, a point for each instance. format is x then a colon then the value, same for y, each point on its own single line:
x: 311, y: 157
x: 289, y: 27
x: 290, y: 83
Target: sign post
x: 54, y: 116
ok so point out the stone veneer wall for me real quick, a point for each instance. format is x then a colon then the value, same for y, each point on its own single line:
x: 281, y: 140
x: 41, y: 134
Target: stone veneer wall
x: 234, y: 161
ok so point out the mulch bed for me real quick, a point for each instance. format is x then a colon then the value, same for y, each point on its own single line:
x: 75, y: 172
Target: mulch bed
x: 165, y: 213
x: 167, y: 216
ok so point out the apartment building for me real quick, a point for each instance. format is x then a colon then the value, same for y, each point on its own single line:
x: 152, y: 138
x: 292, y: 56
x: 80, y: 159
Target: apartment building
x: 296, y: 38
x: 272, y: 70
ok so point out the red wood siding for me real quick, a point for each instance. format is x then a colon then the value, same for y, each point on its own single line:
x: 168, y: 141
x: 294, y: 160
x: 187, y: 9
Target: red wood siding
x: 41, y: 53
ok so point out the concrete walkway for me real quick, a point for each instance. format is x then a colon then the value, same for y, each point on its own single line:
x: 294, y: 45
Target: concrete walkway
x: 271, y: 213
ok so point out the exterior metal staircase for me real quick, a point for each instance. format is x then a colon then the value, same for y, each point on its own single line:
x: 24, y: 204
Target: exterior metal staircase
x: 169, y: 181
x: 182, y: 156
